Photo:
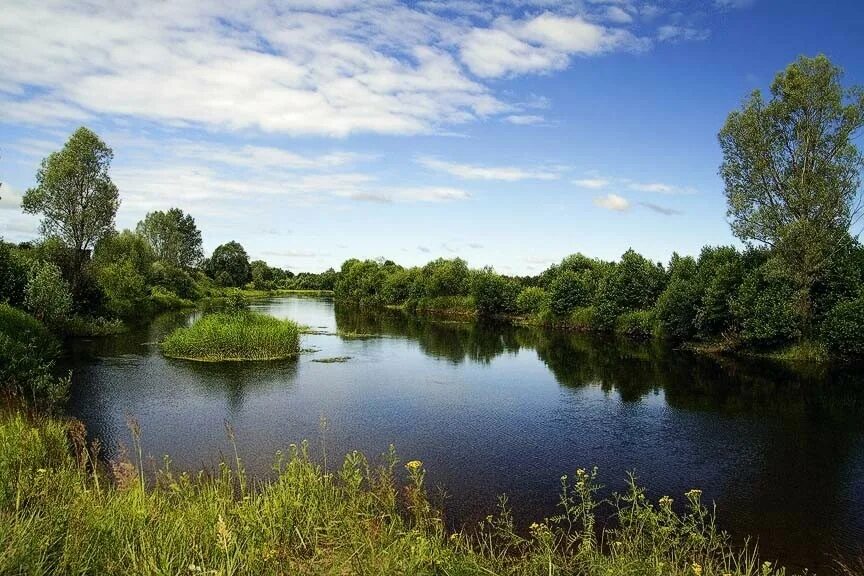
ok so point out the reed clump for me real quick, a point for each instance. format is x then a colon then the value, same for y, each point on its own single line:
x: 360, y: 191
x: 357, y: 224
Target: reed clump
x: 233, y: 336
x: 64, y: 513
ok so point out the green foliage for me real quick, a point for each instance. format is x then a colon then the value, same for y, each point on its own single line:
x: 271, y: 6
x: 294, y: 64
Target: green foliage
x: 843, y: 328
x: 584, y: 319
x: 126, y: 245
x: 173, y: 279
x: 569, y: 290
x: 163, y: 299
x: 493, y: 294
x: 27, y: 353
x: 173, y: 236
x: 678, y: 305
x: 13, y: 275
x: 634, y: 283
x: 638, y: 324
x: 792, y: 171
x: 229, y: 336
x: 125, y: 289
x: 763, y: 307
x: 47, y: 295
x: 443, y: 277
x: 262, y: 275
x: 532, y: 300
x: 62, y: 516
x: 362, y: 282
x: 229, y: 265
x: 75, y: 196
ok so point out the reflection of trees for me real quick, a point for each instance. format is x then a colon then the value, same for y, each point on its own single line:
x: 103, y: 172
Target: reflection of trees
x: 236, y: 378
x: 454, y: 341
x: 635, y: 369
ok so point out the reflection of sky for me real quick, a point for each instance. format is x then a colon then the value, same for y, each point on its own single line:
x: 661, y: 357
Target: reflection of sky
x: 502, y: 410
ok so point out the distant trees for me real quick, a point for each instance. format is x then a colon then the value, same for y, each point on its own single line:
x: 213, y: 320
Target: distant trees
x: 792, y: 171
x: 229, y: 265
x: 75, y: 196
x: 174, y: 237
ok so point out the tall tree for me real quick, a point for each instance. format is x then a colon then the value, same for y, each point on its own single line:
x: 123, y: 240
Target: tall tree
x: 174, y: 237
x: 229, y: 265
x: 792, y: 171
x: 75, y: 196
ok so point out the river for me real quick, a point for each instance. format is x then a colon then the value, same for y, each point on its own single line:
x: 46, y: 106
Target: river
x: 494, y: 409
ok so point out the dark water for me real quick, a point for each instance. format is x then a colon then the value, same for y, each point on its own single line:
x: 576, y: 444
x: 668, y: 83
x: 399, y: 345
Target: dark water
x: 494, y: 409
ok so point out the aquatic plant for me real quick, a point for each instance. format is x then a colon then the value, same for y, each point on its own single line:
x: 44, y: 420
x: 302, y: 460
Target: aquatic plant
x: 229, y: 336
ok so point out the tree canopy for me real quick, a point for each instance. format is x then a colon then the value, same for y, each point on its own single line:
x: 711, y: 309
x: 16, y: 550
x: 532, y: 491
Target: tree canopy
x: 229, y: 265
x: 791, y: 168
x: 173, y: 236
x: 75, y: 195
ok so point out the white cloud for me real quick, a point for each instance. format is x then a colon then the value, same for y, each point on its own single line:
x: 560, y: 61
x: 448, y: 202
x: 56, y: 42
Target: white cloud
x: 525, y: 119
x: 389, y: 194
x: 618, y: 15
x: 592, y: 183
x: 671, y: 33
x: 330, y: 67
x: 539, y: 44
x: 473, y: 172
x: 612, y: 202
x: 658, y: 188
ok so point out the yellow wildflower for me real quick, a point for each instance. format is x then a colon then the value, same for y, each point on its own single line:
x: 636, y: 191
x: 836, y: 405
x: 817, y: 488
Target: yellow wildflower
x: 697, y: 569
x: 414, y: 465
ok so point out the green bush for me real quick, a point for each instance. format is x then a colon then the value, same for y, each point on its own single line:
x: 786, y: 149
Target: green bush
x: 677, y: 308
x: 634, y: 283
x: 13, y: 275
x: 163, y: 299
x: 125, y: 290
x: 763, y: 307
x: 494, y: 295
x: 532, y: 300
x: 227, y: 336
x: 637, y: 324
x: 843, y: 328
x: 583, y: 319
x: 569, y: 290
x: 173, y: 279
x: 27, y: 353
x: 47, y: 295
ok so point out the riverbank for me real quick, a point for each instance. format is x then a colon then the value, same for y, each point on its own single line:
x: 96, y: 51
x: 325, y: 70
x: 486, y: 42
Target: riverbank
x: 67, y: 512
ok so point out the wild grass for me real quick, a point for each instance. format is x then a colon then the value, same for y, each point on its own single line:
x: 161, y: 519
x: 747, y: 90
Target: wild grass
x: 64, y: 513
x: 232, y: 336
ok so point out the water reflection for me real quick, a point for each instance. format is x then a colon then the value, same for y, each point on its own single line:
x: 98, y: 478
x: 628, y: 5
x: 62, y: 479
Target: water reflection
x: 495, y: 409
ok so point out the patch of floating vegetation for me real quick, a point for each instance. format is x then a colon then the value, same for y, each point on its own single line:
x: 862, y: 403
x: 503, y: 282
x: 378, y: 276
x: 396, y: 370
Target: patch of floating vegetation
x: 333, y: 360
x: 234, y: 336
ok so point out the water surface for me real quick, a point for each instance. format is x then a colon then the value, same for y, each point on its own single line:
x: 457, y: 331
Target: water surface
x: 494, y: 409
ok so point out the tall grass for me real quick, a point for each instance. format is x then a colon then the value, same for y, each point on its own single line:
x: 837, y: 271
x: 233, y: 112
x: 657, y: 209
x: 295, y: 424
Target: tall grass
x: 62, y: 514
x: 240, y: 335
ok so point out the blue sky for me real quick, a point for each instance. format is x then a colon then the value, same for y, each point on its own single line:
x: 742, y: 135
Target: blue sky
x: 510, y: 133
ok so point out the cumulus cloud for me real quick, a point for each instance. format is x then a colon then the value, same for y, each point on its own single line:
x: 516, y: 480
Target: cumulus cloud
x: 474, y: 172
x: 539, y: 44
x: 612, y: 202
x: 330, y: 67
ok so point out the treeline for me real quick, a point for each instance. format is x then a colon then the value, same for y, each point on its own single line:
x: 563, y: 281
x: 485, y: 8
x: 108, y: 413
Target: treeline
x: 730, y: 298
x: 792, y: 175
x: 83, y: 277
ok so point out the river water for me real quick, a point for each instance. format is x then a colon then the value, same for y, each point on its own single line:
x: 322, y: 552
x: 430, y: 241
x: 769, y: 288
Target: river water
x: 494, y: 409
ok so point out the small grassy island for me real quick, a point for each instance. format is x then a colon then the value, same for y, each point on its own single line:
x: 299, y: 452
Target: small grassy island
x: 234, y: 336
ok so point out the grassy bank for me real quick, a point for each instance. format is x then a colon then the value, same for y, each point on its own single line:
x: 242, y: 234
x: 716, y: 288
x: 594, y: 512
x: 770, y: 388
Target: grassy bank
x: 63, y: 513
x: 231, y: 336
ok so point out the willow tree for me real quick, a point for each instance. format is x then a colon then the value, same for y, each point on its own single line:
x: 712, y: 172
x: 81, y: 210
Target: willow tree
x: 75, y: 196
x: 792, y: 171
